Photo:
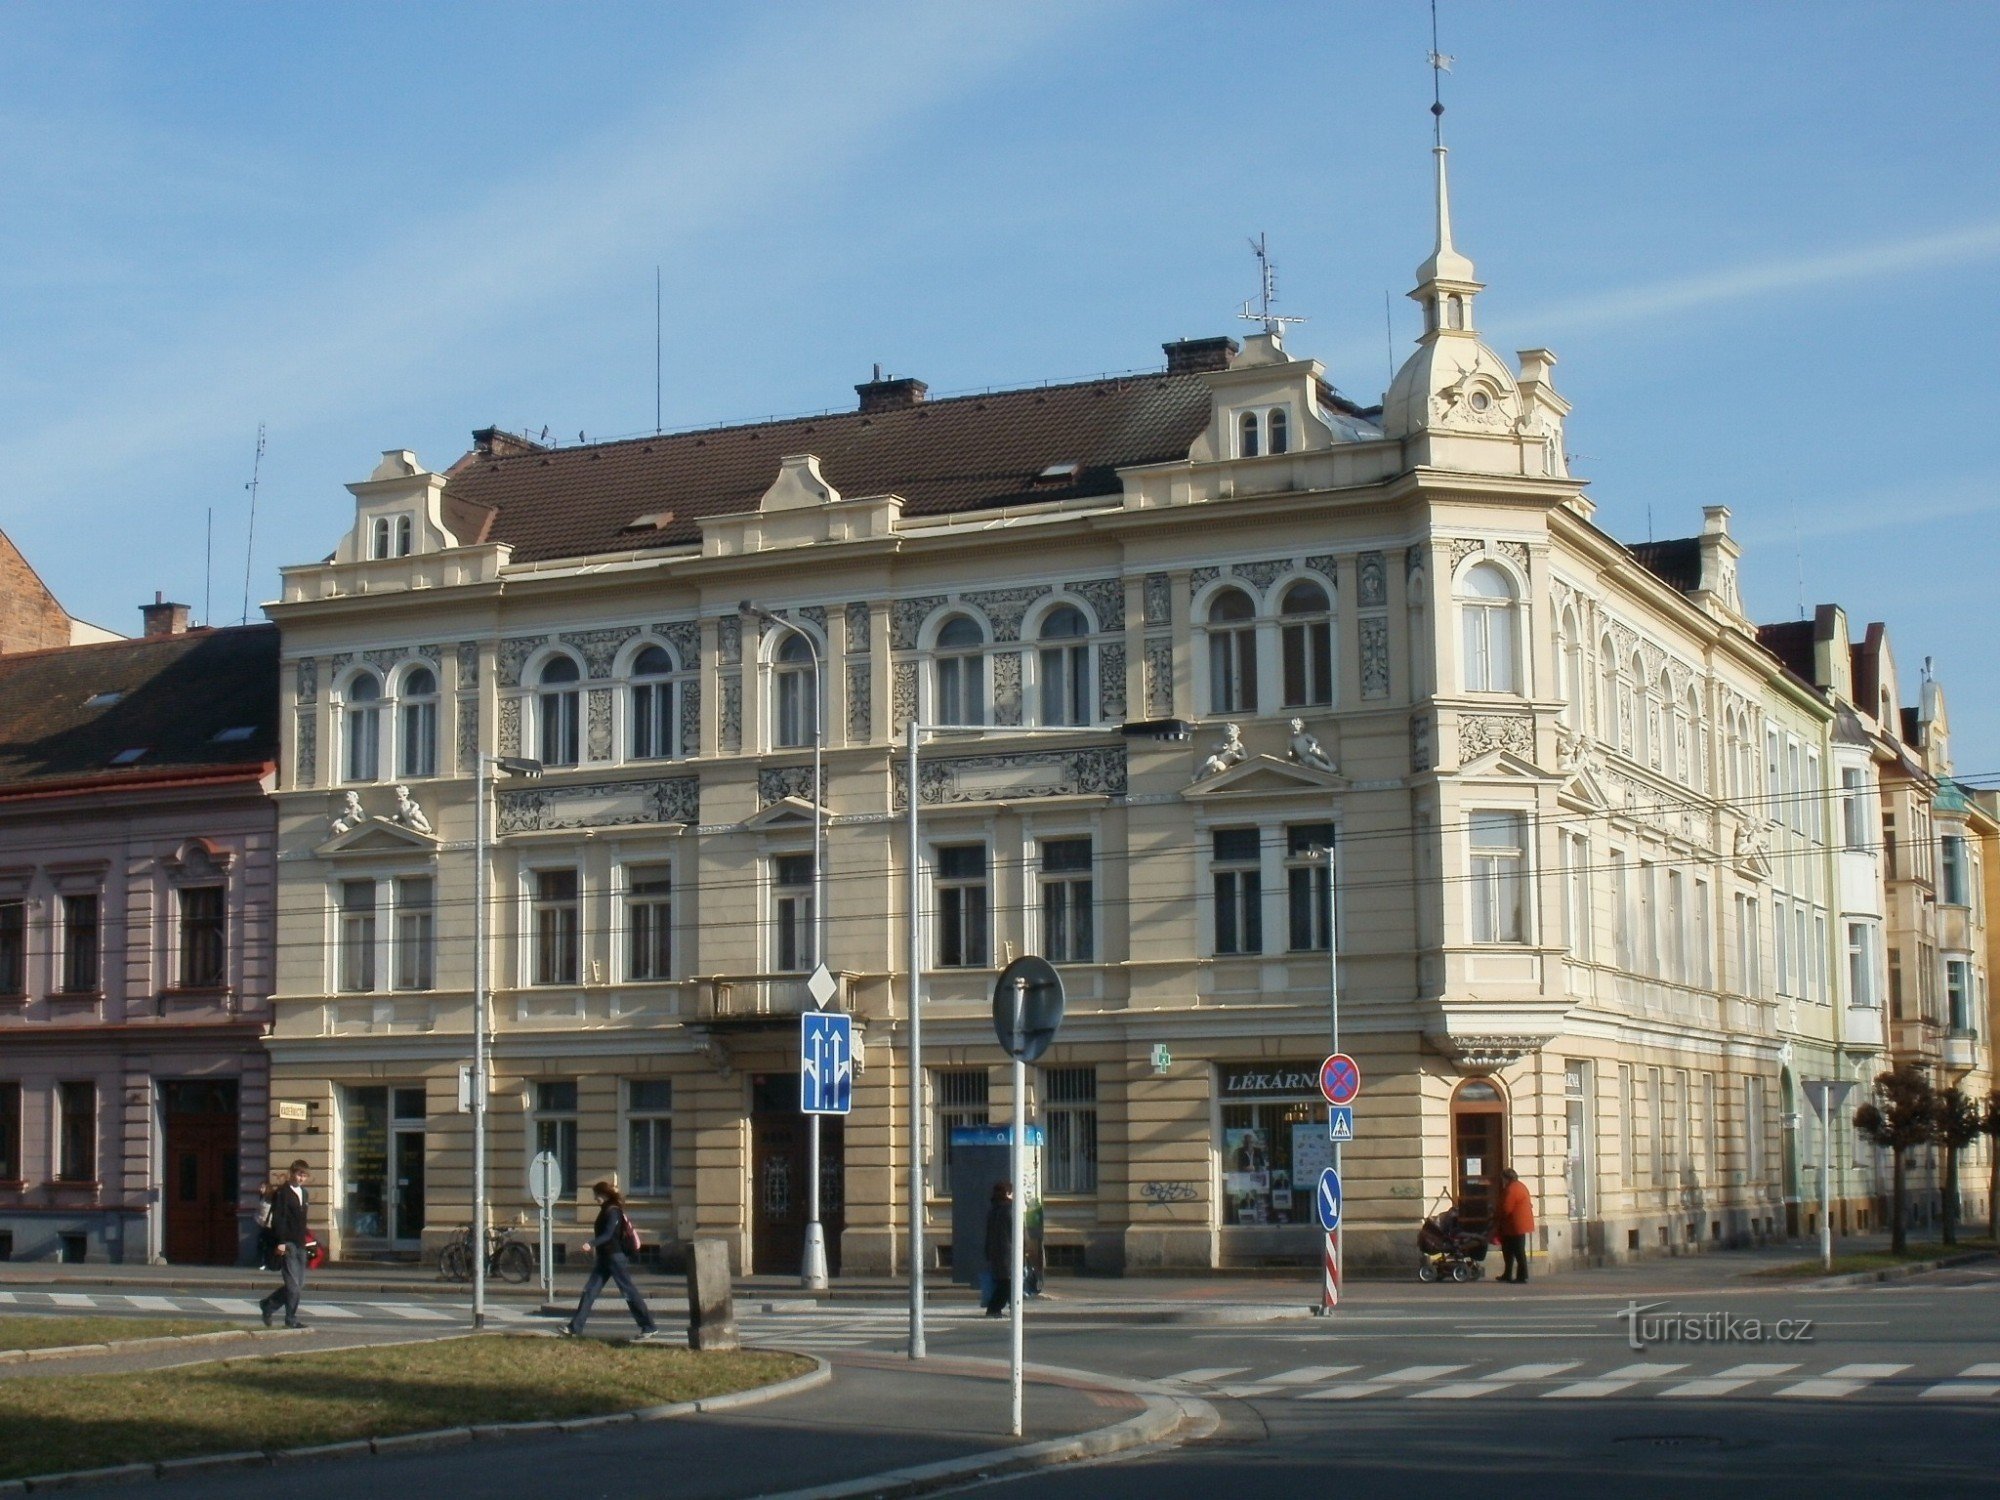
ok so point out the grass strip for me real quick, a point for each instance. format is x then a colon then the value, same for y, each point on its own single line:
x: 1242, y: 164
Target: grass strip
x: 1873, y: 1260
x: 43, y: 1331
x: 52, y: 1424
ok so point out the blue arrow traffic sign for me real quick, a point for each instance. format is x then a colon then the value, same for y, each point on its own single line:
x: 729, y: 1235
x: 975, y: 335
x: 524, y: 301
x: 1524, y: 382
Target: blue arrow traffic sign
x: 1327, y: 1199
x: 826, y: 1063
x: 1340, y: 1122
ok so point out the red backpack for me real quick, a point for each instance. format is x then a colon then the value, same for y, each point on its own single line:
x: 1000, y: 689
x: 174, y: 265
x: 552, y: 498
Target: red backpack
x: 628, y: 1234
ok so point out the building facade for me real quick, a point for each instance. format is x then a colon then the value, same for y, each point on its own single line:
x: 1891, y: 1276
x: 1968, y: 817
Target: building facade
x: 137, y: 884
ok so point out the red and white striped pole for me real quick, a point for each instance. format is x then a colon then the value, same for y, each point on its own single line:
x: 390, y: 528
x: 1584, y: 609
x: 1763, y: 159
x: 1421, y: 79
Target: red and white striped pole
x: 1330, y: 1288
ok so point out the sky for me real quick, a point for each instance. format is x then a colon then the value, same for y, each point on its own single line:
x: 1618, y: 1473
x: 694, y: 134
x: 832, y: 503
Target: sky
x: 1762, y: 238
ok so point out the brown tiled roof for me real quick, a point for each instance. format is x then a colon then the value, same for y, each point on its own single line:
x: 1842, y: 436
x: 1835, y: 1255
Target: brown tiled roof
x: 1676, y: 562
x: 962, y: 453
x: 179, y: 692
x: 1791, y: 641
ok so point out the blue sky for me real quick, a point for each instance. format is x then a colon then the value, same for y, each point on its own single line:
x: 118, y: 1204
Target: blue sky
x: 1761, y: 237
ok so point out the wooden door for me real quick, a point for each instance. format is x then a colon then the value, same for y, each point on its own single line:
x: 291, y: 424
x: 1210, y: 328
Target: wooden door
x: 779, y: 1155
x: 1478, y: 1151
x: 202, y: 1132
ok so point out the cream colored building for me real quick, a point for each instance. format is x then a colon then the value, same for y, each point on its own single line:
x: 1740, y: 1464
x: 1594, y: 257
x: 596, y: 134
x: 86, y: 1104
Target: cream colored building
x: 1567, y: 787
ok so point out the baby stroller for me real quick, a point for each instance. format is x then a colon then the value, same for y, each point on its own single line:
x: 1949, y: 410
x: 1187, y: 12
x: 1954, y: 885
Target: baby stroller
x: 1448, y: 1250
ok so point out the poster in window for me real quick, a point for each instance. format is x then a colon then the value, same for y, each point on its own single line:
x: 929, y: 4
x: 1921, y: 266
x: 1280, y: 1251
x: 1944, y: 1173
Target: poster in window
x: 1247, y: 1175
x: 1312, y: 1151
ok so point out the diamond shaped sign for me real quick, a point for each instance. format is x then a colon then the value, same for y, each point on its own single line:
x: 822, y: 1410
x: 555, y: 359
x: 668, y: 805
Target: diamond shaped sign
x: 822, y: 986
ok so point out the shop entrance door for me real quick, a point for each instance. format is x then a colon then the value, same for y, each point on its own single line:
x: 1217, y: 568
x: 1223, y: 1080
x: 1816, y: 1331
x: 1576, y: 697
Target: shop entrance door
x: 779, y: 1152
x: 409, y: 1196
x: 202, y: 1131
x: 1478, y: 1151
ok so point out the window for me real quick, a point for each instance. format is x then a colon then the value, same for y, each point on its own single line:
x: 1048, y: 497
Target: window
x: 1753, y: 1134
x: 202, y: 949
x: 1247, y: 435
x: 961, y: 672
x: 1236, y: 869
x: 1814, y: 794
x: 558, y: 924
x: 1307, y: 635
x: 1621, y: 910
x: 1608, y: 715
x: 392, y: 536
x: 792, y: 913
x: 1648, y: 924
x: 1702, y: 971
x: 653, y: 719
x: 1278, y: 425
x: 1896, y: 984
x: 80, y: 966
x: 10, y: 1132
x: 1958, y: 997
x: 1951, y: 873
x: 962, y: 1099
x: 1499, y: 878
x: 649, y: 923
x: 416, y: 723
x: 76, y: 1125
x: 1063, y: 667
x: 1628, y: 1138
x: 961, y: 902
x: 794, y: 693
x: 1711, y: 1128
x: 1853, y: 810
x: 416, y: 933
x: 1675, y: 964
x: 1569, y: 664
x: 1889, y: 845
x: 1486, y: 607
x: 363, y: 708
x: 1308, y: 886
x: 1576, y: 895
x: 357, y: 936
x: 649, y: 1136
x: 1068, y: 905
x: 1232, y: 653
x: 13, y: 947
x: 1860, y: 965
x: 560, y: 720
x: 1774, y: 770
x: 1656, y: 1156
x: 1069, y: 1111
x: 1781, y: 945
x: 555, y: 1127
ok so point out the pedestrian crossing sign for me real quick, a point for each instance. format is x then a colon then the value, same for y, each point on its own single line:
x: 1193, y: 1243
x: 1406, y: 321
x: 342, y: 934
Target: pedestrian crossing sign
x: 1340, y: 1122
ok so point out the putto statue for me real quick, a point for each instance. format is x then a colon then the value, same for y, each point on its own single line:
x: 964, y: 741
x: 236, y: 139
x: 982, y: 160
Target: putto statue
x: 408, y: 813
x: 1305, y: 749
x: 350, y: 815
x: 1227, y: 754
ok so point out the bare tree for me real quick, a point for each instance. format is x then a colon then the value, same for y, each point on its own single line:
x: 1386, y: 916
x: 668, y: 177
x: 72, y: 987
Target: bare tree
x: 1955, y: 1123
x: 1898, y: 1117
x: 1989, y: 1126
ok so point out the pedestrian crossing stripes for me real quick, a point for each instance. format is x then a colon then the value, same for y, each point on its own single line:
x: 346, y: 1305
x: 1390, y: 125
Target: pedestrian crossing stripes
x: 247, y: 1307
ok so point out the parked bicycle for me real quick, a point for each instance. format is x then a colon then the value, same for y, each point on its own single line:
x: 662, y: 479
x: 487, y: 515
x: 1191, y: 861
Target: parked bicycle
x: 506, y: 1257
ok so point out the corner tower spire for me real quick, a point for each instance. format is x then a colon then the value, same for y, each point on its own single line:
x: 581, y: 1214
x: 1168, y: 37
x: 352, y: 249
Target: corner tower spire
x: 1447, y: 282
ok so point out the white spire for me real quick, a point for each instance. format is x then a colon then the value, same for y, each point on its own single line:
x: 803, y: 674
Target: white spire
x: 1445, y: 264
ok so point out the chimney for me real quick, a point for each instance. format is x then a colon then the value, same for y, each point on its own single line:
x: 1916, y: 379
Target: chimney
x: 163, y: 617
x: 894, y: 394
x: 1199, y: 356
x: 497, y: 442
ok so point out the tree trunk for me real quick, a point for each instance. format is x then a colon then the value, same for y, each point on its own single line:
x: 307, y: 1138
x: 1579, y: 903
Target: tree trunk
x: 1899, y: 1235
x: 1951, y: 1195
x: 1993, y: 1188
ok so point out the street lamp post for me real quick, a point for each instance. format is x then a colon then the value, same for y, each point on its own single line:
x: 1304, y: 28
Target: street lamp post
x: 511, y: 765
x: 1333, y: 1008
x: 812, y: 1273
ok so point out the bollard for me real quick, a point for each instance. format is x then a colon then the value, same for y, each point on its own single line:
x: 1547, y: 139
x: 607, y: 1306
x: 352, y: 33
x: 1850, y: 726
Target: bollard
x: 711, y: 1306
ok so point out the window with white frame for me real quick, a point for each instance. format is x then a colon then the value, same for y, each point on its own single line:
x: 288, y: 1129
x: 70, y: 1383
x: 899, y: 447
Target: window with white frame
x: 1621, y: 910
x: 791, y: 913
x: 1237, y: 878
x: 1861, y: 966
x: 960, y: 885
x: 1648, y: 933
x: 1249, y: 435
x: 1489, y: 632
x: 554, y: 1126
x: 655, y: 724
x: 357, y: 936
x: 958, y: 672
x: 1574, y: 711
x: 1069, y: 908
x: 1951, y: 870
x: 1703, y: 969
x: 1608, y: 714
x: 794, y: 693
x: 1497, y: 895
x: 82, y: 942
x: 1062, y: 667
x: 417, y: 723
x: 416, y: 933
x: 392, y: 536
x: 204, y: 952
x: 962, y: 1097
x: 1305, y: 632
x: 1656, y: 1109
x: 558, y: 925
x: 1278, y: 429
x: 1576, y: 895
x: 649, y: 923
x: 76, y: 1131
x: 649, y: 1136
x: 1628, y: 1128
x: 1774, y: 770
x: 1232, y: 653
x: 1958, y: 996
x: 558, y: 712
x: 1711, y: 1128
x: 1781, y: 946
x: 1069, y: 1116
x: 1308, y: 886
x: 1853, y: 809
x: 1675, y: 959
x: 1749, y: 947
x: 361, y: 707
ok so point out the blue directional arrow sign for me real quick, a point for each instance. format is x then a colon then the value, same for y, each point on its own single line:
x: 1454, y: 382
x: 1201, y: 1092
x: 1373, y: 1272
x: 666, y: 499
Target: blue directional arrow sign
x: 1340, y: 1122
x: 1327, y: 1199
x: 826, y: 1063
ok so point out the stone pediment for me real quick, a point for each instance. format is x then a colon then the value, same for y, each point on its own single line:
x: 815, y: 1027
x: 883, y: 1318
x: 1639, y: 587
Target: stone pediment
x: 377, y: 837
x: 1265, y: 775
x: 786, y: 812
x: 1501, y: 765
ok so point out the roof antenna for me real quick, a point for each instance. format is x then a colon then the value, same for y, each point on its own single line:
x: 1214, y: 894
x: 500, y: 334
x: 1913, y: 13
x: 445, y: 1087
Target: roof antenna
x: 656, y: 351
x: 208, y: 574
x: 1389, y: 333
x: 1440, y: 65
x: 250, y: 541
x: 1267, y: 292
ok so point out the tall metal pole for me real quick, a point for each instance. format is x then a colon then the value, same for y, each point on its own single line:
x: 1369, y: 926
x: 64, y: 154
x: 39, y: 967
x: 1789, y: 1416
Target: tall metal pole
x: 1017, y: 1171
x: 914, y: 897
x: 479, y: 1090
x: 812, y: 1274
x: 1332, y: 1299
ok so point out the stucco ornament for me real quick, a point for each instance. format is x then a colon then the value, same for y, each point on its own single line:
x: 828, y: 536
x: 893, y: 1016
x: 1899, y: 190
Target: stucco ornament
x: 1227, y: 754
x: 1305, y: 748
x: 351, y: 815
x: 408, y: 813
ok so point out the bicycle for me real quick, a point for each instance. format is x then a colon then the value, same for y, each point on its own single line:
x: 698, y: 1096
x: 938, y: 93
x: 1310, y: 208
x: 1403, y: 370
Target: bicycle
x: 506, y: 1257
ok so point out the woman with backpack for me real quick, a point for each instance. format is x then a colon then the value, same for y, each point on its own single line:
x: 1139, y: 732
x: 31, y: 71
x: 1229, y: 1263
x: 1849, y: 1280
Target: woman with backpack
x: 612, y: 1239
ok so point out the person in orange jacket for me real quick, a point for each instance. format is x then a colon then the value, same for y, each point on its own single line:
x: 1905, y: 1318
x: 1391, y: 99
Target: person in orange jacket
x: 1513, y: 1222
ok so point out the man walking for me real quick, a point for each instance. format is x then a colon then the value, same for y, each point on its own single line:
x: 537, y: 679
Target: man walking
x: 1000, y: 1269
x: 1513, y: 1222
x: 288, y: 1229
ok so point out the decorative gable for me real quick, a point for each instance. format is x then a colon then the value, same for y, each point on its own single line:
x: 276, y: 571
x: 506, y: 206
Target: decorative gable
x: 1265, y: 776
x: 378, y: 837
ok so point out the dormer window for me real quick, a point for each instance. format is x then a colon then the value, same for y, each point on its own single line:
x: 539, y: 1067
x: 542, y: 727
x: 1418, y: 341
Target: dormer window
x: 392, y: 536
x: 1248, y: 442
x: 1278, y: 426
x: 1259, y: 432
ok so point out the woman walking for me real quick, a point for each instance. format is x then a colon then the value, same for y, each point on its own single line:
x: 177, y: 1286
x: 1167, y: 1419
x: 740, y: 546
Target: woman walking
x: 1000, y: 1250
x: 609, y: 1239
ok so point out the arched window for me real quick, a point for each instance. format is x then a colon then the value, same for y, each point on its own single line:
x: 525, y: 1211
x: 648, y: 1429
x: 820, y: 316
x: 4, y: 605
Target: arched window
x: 1306, y: 617
x: 1063, y: 667
x: 1246, y: 427
x: 405, y: 533
x: 1569, y: 663
x: 364, y: 727
x: 654, y: 722
x: 1488, y: 630
x: 1670, y: 743
x: 417, y: 723
x: 1278, y: 425
x: 1607, y: 691
x: 1645, y: 715
x: 794, y: 694
x: 1694, y: 758
x: 1232, y: 653
x: 559, y: 700
x: 960, y: 672
x: 378, y: 545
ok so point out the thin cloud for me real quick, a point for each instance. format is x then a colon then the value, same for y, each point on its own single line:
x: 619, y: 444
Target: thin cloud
x: 1951, y: 499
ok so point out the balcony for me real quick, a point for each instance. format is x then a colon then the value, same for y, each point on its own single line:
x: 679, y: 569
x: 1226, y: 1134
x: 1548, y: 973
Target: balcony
x: 1963, y: 1051
x: 749, y: 1000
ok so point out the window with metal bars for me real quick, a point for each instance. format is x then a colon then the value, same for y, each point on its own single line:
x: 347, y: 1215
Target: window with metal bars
x: 1069, y: 1116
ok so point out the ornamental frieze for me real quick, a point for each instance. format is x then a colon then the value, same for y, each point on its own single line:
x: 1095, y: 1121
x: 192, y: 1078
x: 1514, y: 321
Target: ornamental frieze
x: 1005, y: 608
x: 859, y: 702
x: 1159, y: 677
x: 860, y: 625
x: 308, y: 687
x: 776, y: 783
x: 610, y: 804
x: 1480, y: 733
x: 1111, y: 682
x: 468, y: 733
x: 307, y: 761
x: 1106, y: 598
x: 1021, y: 776
x: 1158, y: 599
x: 1374, y: 632
x: 514, y: 654
x: 1371, y: 573
x: 907, y: 616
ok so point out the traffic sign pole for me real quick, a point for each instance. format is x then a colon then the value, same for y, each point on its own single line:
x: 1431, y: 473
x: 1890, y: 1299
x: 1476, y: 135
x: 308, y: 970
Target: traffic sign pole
x: 1330, y: 1293
x: 1020, y: 1227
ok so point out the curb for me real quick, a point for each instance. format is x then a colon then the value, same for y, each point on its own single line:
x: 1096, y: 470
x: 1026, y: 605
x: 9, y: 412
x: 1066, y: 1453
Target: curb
x: 417, y: 1442
x: 127, y: 1346
x: 1168, y: 1414
x: 1897, y: 1273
